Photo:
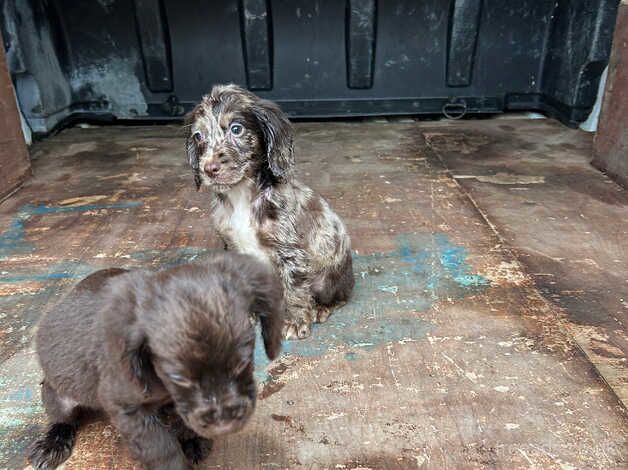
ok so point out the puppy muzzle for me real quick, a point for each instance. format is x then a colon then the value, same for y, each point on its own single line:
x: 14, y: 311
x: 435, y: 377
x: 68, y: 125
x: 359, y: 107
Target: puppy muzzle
x: 215, y: 420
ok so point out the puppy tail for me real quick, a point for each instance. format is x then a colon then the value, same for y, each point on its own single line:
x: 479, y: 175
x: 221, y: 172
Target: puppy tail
x: 54, y: 448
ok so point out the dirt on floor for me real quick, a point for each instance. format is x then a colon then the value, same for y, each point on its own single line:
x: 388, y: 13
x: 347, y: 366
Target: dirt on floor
x: 487, y: 324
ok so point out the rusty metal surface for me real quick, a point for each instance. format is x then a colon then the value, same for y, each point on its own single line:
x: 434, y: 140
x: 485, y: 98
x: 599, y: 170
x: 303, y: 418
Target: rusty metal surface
x: 14, y: 162
x: 611, y: 140
x: 448, y: 356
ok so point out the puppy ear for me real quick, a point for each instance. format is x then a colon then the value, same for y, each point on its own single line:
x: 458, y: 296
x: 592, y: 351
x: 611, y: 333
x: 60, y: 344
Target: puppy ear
x: 272, y: 325
x: 136, y: 357
x: 126, y: 342
x: 267, y: 305
x: 190, y: 147
x: 277, y: 133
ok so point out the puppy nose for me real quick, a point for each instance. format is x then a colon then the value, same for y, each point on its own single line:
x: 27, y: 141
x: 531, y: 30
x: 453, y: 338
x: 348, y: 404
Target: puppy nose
x: 211, y: 168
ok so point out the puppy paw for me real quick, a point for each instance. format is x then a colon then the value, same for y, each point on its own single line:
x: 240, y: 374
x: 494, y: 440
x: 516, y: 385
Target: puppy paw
x: 196, y: 449
x: 297, y: 329
x: 54, y: 448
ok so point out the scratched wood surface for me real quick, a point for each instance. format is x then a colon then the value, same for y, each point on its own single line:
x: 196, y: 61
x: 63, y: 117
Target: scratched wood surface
x: 566, y: 222
x: 448, y: 355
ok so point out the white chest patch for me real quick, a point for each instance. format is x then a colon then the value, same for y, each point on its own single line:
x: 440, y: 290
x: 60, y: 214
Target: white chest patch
x: 237, y: 224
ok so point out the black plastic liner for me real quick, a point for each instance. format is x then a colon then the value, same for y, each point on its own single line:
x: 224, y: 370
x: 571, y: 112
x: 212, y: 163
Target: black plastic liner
x: 154, y: 59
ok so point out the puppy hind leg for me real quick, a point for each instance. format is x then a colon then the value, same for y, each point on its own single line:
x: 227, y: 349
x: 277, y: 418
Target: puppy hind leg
x: 296, y: 280
x: 55, y: 447
x: 333, y: 287
x: 322, y: 297
x: 322, y: 314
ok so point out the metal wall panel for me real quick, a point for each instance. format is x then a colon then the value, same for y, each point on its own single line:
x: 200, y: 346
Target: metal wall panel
x: 154, y: 59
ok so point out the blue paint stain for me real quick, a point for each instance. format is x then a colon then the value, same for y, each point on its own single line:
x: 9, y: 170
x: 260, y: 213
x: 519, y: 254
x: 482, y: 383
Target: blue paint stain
x: 389, y: 289
x: 453, y: 259
x: 392, y: 291
x: 22, y: 394
x: 55, y: 272
x: 13, y: 240
x: 37, y: 277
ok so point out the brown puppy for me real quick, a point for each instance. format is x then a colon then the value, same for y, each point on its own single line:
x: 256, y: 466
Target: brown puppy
x: 168, y: 356
x: 240, y: 147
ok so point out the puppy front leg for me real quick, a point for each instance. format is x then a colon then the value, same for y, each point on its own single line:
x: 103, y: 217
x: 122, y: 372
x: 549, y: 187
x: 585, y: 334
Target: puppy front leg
x: 196, y: 448
x: 149, y: 440
x: 293, y: 265
x: 300, y: 311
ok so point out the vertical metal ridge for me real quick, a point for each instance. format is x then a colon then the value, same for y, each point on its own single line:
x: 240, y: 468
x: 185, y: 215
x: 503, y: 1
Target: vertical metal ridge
x: 463, y: 37
x: 154, y: 44
x: 257, y: 45
x: 360, y: 42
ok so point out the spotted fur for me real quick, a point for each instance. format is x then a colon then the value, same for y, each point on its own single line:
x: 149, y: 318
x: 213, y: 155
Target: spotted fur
x: 259, y: 208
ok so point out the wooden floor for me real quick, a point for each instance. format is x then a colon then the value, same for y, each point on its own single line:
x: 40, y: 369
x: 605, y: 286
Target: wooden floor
x: 487, y: 327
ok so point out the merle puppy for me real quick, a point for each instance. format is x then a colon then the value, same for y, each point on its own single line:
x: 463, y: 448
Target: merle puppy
x: 240, y: 147
x: 167, y: 356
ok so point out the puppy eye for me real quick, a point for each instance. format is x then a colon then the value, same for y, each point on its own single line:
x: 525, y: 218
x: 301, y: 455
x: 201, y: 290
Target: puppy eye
x: 180, y: 380
x: 197, y: 136
x: 236, y: 129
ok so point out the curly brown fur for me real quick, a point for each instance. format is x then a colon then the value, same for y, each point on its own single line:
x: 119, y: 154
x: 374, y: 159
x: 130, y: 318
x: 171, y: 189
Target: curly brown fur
x: 240, y: 148
x: 167, y: 356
